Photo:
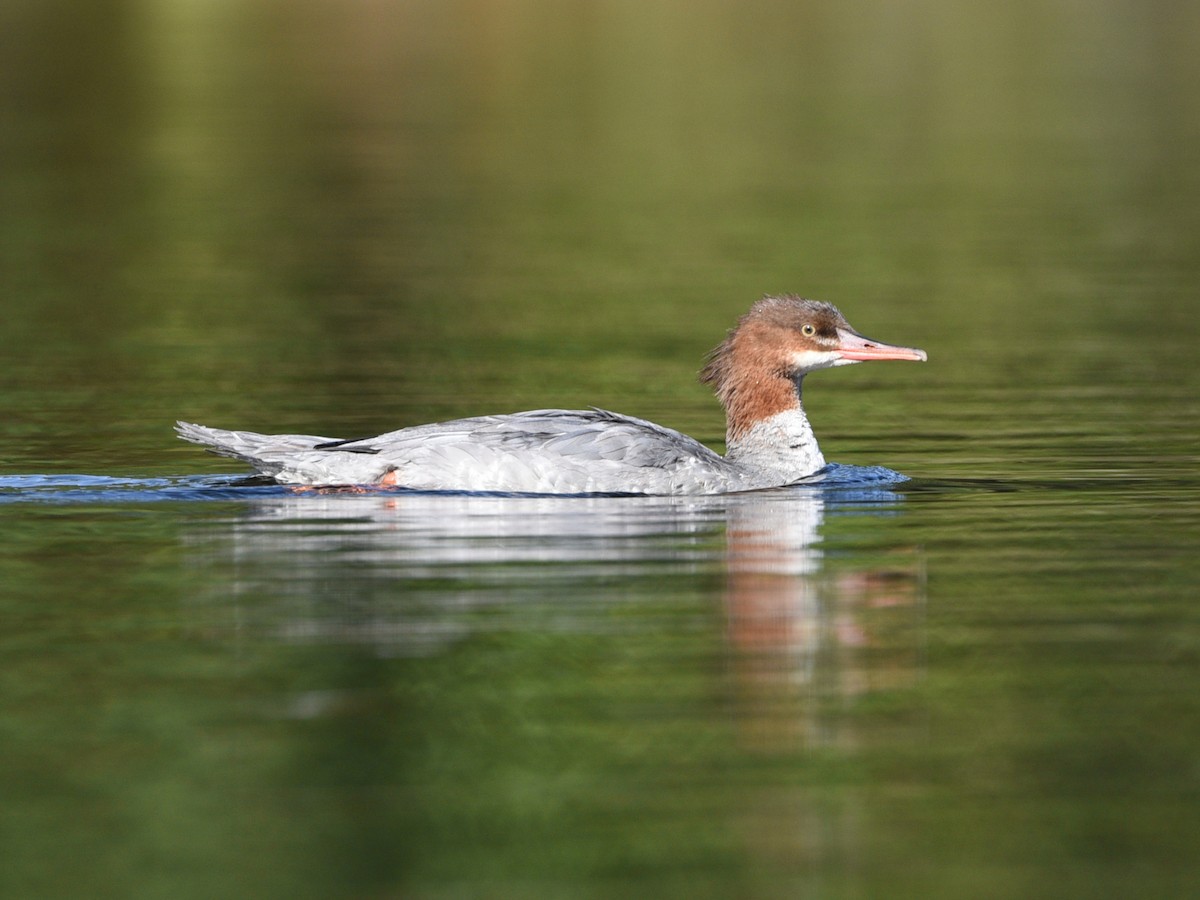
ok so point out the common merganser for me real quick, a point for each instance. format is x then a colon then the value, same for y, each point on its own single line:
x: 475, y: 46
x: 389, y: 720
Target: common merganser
x: 756, y: 373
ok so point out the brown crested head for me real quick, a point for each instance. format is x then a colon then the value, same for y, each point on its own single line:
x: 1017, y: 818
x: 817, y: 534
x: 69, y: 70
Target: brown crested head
x: 752, y: 370
x: 766, y: 339
x: 756, y: 370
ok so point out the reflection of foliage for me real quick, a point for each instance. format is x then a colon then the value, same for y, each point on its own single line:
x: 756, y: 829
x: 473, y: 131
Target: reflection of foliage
x: 404, y: 212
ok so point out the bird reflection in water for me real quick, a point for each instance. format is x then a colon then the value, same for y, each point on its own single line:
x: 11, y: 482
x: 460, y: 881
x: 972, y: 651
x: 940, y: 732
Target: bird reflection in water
x: 808, y: 639
x: 409, y: 574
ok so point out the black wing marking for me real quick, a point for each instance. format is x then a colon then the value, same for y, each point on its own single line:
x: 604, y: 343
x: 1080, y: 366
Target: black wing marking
x: 342, y: 446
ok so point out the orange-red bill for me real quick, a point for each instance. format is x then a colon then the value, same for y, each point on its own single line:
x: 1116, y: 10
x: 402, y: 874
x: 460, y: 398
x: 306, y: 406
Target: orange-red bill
x: 855, y: 347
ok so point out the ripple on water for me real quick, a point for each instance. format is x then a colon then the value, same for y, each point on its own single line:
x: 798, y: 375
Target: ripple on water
x: 870, y: 482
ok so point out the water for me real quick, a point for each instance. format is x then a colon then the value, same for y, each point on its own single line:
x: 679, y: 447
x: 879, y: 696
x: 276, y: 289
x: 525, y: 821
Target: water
x: 980, y: 681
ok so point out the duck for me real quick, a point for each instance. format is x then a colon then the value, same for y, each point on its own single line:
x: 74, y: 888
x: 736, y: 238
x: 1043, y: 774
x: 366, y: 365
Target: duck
x: 756, y: 372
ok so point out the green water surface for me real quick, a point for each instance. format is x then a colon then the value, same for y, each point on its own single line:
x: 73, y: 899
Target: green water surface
x: 344, y: 218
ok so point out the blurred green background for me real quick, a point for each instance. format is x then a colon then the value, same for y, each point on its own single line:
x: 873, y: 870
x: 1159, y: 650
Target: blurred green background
x: 344, y: 217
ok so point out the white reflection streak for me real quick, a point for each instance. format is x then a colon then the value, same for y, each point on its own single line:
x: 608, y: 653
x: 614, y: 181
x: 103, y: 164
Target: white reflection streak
x: 328, y: 554
x: 423, y: 532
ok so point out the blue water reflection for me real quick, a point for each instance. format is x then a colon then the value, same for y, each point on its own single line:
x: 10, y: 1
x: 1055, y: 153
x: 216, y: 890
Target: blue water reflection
x: 864, y: 484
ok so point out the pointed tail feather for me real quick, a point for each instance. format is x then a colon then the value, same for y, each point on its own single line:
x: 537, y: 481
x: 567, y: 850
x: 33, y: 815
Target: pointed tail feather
x: 238, y: 444
x: 267, y: 453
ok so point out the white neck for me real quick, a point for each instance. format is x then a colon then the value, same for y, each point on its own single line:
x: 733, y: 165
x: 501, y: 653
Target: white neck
x: 782, y: 448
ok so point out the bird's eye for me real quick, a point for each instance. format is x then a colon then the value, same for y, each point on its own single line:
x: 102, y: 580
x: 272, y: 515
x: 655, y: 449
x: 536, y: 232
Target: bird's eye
x: 808, y: 330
